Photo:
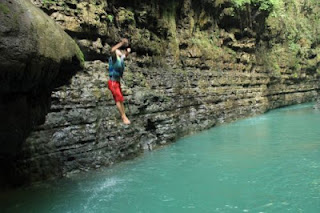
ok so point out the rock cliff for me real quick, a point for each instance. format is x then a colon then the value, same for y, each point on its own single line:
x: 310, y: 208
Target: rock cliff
x: 195, y: 64
x: 36, y: 55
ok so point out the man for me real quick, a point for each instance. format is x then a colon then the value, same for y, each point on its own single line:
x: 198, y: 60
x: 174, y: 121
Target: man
x: 116, y: 68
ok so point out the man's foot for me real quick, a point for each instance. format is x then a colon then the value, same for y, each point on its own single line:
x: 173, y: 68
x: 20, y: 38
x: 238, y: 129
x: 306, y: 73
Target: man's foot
x: 126, y: 120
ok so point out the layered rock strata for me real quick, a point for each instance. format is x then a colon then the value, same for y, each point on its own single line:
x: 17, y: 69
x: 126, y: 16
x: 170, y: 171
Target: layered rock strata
x: 195, y: 65
x: 84, y: 131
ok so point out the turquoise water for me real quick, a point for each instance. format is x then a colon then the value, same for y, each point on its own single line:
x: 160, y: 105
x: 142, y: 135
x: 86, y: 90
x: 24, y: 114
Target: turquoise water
x: 269, y: 163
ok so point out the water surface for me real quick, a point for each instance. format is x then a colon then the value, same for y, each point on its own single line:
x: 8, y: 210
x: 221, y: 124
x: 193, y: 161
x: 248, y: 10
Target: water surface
x: 269, y: 163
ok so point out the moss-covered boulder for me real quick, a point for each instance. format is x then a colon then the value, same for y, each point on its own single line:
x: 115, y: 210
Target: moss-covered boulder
x: 36, y: 55
x: 32, y: 48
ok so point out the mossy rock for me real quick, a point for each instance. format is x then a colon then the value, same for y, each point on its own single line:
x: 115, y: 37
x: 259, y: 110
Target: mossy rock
x: 4, y: 8
x: 144, y: 42
x: 35, y: 50
x: 125, y: 18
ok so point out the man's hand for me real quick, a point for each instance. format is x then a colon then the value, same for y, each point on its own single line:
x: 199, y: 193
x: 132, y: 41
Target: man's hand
x: 125, y: 41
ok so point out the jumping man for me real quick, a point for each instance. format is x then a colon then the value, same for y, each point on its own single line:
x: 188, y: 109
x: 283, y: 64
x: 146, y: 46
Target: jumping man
x: 116, y: 68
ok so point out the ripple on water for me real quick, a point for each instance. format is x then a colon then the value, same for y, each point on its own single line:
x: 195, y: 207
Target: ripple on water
x: 268, y: 163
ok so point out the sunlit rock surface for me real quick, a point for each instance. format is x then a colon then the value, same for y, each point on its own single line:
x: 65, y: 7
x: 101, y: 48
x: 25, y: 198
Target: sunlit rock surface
x: 194, y: 64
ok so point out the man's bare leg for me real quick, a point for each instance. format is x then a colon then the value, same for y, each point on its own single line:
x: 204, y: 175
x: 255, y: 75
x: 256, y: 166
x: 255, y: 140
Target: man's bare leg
x: 121, y: 109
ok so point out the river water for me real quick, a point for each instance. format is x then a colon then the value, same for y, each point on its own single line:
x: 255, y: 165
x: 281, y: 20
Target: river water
x: 268, y: 163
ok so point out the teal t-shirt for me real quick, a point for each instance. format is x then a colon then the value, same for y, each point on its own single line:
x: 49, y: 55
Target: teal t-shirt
x: 116, y: 68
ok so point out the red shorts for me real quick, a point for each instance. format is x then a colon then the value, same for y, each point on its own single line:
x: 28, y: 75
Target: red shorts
x: 115, y: 88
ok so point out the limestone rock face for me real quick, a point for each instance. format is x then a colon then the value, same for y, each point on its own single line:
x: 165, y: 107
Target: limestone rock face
x: 195, y: 63
x: 86, y: 21
x: 35, y: 56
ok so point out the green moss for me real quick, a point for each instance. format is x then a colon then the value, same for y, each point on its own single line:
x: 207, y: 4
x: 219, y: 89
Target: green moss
x: 97, y: 93
x: 146, y: 42
x: 208, y: 46
x: 15, y: 19
x: 80, y: 56
x: 128, y: 78
x: 4, y: 8
x: 110, y: 18
x: 47, y: 2
x: 264, y: 5
x: 294, y: 29
x: 126, y: 17
x: 169, y: 23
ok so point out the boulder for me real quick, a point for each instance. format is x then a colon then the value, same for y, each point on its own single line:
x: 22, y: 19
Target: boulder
x: 36, y: 55
x: 33, y: 49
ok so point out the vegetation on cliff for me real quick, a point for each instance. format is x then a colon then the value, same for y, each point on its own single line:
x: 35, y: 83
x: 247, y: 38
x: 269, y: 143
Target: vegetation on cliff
x: 286, y: 32
x: 195, y: 63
